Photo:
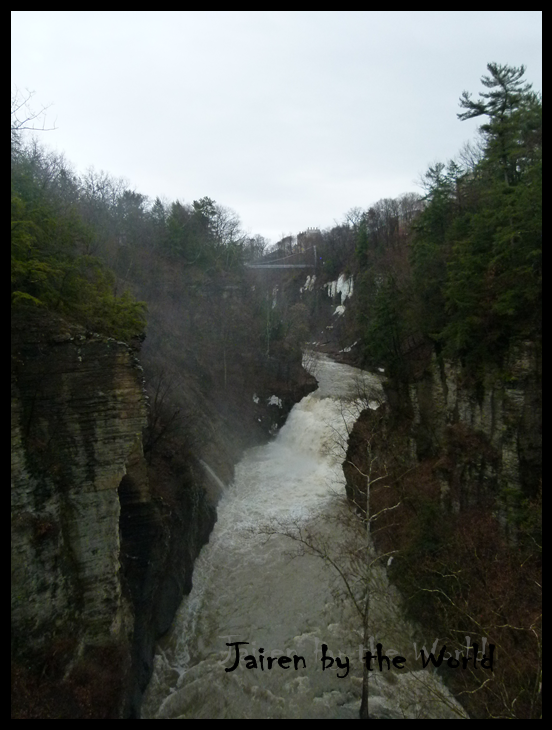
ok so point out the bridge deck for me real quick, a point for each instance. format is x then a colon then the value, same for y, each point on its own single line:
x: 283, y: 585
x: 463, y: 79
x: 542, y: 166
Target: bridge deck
x: 280, y: 266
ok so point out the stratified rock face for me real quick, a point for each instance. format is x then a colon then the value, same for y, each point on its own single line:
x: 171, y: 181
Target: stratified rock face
x: 481, y: 444
x: 78, y: 409
x: 489, y: 438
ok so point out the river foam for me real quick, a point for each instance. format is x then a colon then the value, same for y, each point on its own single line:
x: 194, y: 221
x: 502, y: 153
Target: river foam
x: 250, y: 585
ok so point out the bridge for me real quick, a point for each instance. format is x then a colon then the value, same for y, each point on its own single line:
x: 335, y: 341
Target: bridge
x: 298, y: 260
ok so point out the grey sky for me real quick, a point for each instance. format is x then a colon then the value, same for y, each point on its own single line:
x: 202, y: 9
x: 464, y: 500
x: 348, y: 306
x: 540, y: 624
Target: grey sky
x: 289, y: 118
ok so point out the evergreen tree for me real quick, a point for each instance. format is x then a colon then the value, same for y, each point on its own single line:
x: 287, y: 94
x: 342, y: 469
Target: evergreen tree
x: 502, y: 104
x: 50, y: 262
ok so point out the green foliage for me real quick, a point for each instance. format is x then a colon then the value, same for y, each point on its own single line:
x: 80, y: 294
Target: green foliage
x: 436, y: 228
x: 362, y: 242
x: 204, y: 234
x: 477, y: 244
x: 387, y: 328
x: 494, y: 278
x: 506, y: 105
x: 49, y: 266
x: 463, y: 268
x: 331, y: 267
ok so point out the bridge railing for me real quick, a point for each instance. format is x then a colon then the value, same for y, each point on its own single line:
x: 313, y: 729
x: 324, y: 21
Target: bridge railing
x: 297, y: 260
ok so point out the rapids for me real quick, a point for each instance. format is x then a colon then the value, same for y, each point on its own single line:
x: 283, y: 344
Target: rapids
x: 249, y: 585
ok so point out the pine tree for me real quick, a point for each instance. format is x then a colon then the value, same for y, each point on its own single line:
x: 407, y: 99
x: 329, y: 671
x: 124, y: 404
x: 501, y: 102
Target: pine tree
x: 502, y: 104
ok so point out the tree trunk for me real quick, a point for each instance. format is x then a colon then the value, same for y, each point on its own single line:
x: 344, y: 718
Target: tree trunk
x: 363, y: 712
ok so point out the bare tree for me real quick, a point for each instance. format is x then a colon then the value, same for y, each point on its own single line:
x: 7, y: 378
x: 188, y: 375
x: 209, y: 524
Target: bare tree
x: 255, y: 247
x: 24, y: 117
x: 353, y: 217
x: 341, y: 536
x: 355, y: 560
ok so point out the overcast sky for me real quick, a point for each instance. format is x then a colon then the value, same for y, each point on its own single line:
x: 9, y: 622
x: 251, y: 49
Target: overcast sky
x: 289, y: 118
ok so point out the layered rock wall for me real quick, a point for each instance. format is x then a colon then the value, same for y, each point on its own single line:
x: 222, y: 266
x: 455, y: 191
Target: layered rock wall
x: 78, y: 409
x: 487, y: 435
x: 479, y: 442
x: 103, y: 542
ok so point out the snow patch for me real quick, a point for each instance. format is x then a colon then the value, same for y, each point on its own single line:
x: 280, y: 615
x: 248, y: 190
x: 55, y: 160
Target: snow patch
x: 348, y: 349
x: 255, y: 398
x: 343, y: 285
x: 340, y: 310
x: 309, y: 284
x: 274, y: 401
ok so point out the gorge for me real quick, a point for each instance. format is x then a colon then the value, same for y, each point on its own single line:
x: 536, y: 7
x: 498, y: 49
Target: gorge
x: 211, y: 445
x: 249, y: 588
x: 103, y: 539
x: 131, y: 528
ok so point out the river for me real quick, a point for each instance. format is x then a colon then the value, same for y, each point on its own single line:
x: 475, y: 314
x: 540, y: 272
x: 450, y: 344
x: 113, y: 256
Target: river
x: 250, y: 585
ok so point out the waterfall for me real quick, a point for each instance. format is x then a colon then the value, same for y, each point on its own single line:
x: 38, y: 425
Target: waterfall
x: 215, y: 479
x: 250, y: 586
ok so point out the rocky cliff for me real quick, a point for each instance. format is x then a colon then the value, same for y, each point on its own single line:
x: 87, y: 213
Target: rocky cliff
x: 99, y: 560
x: 486, y: 435
x: 103, y: 539
x: 481, y: 441
x: 454, y: 466
x: 78, y: 410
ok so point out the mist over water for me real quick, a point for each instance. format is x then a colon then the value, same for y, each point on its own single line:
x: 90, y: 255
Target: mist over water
x: 247, y: 587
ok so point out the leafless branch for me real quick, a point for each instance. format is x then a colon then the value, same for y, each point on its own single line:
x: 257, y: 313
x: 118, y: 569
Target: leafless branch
x: 23, y: 117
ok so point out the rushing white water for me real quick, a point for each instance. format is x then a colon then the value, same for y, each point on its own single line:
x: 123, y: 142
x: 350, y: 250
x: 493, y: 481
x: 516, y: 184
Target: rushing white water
x: 248, y: 588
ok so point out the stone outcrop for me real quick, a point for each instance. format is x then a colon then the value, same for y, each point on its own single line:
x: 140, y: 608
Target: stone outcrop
x: 78, y: 409
x: 100, y: 559
x: 103, y: 541
x: 481, y: 441
x: 454, y: 464
x: 486, y: 435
